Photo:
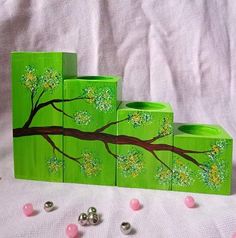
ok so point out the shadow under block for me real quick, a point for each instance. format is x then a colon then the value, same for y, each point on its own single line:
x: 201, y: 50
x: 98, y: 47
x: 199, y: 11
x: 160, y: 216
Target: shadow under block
x: 37, y: 78
x: 92, y: 115
x: 211, y: 148
x: 143, y: 125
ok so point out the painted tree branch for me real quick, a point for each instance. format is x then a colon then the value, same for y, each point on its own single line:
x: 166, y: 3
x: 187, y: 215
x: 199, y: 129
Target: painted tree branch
x: 106, y: 139
x: 51, y: 142
x: 59, y: 110
x: 103, y: 128
x: 44, y: 104
x: 109, y: 151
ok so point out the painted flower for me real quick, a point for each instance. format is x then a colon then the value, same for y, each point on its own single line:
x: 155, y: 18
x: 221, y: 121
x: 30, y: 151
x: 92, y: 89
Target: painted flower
x: 101, y: 98
x: 216, y: 149
x: 30, y: 79
x: 214, y: 174
x: 137, y: 119
x: 89, y: 93
x: 166, y: 127
x: 131, y: 164
x: 50, y: 79
x: 54, y: 164
x: 82, y: 118
x: 163, y: 175
x: 90, y: 164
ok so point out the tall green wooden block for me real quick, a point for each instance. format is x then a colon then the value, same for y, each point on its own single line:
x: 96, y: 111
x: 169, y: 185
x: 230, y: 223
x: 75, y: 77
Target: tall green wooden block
x: 202, y: 159
x: 144, y: 144
x: 37, y: 95
x: 89, y: 129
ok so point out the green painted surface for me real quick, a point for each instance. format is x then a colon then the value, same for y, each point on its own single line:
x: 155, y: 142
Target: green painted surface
x: 67, y: 128
x: 95, y: 107
x: 137, y: 166
x: 35, y: 74
x: 213, y: 175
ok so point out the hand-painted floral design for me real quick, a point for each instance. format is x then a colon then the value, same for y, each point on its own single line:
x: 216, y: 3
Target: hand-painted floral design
x: 82, y: 118
x: 90, y: 164
x: 101, y: 98
x: 54, y: 164
x: 30, y: 79
x: 216, y: 149
x: 214, y: 174
x: 166, y: 127
x: 50, y: 79
x: 138, y: 118
x: 181, y: 174
x: 131, y: 164
x: 215, y: 169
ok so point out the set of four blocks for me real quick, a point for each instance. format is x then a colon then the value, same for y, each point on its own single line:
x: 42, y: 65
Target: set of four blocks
x: 75, y: 129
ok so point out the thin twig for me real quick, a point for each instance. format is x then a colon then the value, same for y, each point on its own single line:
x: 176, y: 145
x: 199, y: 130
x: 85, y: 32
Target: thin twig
x: 50, y: 141
x: 110, y: 124
x: 59, y: 110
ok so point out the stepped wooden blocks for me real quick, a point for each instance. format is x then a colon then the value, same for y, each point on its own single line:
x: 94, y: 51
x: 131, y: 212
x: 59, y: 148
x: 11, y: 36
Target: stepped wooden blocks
x: 204, y: 162
x: 138, y: 160
x: 75, y: 129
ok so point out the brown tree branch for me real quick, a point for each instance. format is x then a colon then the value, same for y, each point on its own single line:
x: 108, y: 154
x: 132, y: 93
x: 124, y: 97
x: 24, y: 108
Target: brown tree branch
x: 44, y: 104
x: 59, y: 110
x: 109, y: 151
x: 156, y: 138
x: 153, y: 153
x: 51, y: 142
x: 41, y: 94
x: 110, y: 124
x: 106, y: 139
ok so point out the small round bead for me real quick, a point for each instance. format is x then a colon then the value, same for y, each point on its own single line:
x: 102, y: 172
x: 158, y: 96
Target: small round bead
x: 93, y: 218
x: 72, y: 231
x: 83, y: 219
x: 135, y: 204
x: 92, y: 210
x: 48, y: 206
x: 189, y: 202
x: 125, y: 228
x: 28, y: 209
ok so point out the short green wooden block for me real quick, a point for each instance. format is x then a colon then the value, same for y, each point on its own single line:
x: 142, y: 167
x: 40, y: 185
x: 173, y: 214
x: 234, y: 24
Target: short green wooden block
x: 144, y: 144
x: 37, y: 95
x: 202, y: 159
x: 91, y: 112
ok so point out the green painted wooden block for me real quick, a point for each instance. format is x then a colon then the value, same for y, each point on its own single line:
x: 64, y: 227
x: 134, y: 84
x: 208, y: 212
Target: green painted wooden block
x: 90, y: 129
x: 37, y: 95
x: 202, y: 159
x: 144, y: 144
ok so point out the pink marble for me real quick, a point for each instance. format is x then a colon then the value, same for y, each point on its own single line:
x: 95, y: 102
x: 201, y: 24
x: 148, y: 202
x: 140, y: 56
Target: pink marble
x: 135, y: 204
x: 28, y: 209
x: 189, y: 202
x: 234, y: 235
x: 72, y: 231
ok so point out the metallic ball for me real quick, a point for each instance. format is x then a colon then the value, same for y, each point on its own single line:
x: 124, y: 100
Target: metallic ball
x: 83, y: 219
x: 48, y: 206
x: 125, y: 228
x: 93, y: 218
x: 92, y: 210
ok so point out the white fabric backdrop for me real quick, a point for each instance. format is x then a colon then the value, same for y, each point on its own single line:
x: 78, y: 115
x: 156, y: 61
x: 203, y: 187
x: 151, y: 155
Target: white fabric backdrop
x: 182, y: 52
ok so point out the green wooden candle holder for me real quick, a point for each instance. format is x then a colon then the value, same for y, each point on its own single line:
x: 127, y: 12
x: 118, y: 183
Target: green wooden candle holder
x: 142, y: 127
x: 37, y: 96
x: 203, y: 162
x: 92, y: 113
x: 74, y: 129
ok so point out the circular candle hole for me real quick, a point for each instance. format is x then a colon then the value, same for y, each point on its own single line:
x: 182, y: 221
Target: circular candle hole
x: 146, y: 105
x: 199, y: 130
